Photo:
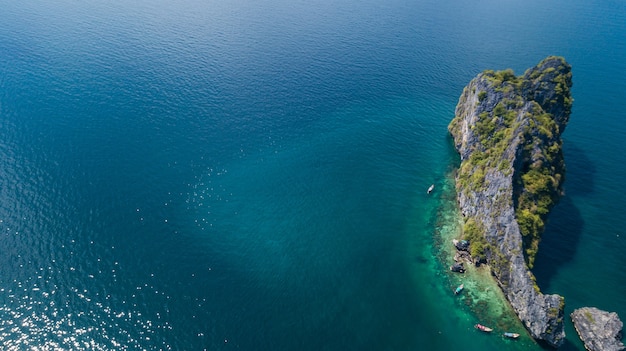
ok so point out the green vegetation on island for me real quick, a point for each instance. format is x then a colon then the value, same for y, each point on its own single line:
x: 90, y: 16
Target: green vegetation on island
x: 508, y: 108
x: 507, y: 130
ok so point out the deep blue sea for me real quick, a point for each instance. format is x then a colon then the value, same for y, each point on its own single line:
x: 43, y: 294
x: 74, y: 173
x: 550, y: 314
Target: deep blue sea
x: 252, y: 175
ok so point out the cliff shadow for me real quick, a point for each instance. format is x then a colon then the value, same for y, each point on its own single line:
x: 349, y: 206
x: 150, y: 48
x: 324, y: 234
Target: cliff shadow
x: 568, y: 345
x: 565, y: 224
x: 580, y: 171
x: 559, y: 241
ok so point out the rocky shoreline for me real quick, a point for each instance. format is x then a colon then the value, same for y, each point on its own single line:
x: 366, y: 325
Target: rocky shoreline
x: 507, y: 127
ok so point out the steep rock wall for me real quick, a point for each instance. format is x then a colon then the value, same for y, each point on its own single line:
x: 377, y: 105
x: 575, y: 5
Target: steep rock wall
x: 507, y: 131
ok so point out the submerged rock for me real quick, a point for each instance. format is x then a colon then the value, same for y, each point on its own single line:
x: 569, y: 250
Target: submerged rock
x: 507, y: 130
x: 599, y: 330
x: 462, y: 256
x: 458, y: 267
x: 461, y: 245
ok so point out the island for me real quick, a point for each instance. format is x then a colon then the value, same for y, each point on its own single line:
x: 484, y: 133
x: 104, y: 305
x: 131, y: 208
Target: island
x: 507, y: 131
x: 599, y: 330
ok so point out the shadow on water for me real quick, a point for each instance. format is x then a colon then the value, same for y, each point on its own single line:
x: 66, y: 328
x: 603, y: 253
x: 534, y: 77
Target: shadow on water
x: 559, y: 241
x: 565, y: 223
x: 568, y: 345
x: 579, y: 179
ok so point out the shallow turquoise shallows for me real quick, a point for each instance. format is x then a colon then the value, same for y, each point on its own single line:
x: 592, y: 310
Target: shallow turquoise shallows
x: 252, y: 175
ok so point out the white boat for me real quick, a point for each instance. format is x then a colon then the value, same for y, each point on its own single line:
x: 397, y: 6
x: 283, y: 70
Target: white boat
x: 430, y: 189
x: 458, y: 289
x: 483, y: 328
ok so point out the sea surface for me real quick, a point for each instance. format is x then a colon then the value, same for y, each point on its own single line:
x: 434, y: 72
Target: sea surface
x: 252, y: 175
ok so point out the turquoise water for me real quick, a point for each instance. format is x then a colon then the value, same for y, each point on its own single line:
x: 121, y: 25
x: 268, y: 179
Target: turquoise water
x: 235, y: 175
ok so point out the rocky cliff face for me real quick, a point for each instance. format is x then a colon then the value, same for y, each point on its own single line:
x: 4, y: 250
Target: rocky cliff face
x: 507, y: 131
x: 599, y: 330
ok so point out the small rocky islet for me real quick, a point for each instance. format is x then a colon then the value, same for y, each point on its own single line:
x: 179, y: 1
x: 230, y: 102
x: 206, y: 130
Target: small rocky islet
x: 599, y: 330
x: 507, y: 131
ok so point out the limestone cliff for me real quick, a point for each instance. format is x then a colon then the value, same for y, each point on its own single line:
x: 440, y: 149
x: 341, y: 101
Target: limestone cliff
x: 507, y: 131
x: 599, y: 330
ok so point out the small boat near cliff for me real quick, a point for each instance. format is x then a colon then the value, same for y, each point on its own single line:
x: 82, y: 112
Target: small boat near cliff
x: 483, y: 328
x: 511, y: 335
x: 430, y: 189
x: 458, y: 289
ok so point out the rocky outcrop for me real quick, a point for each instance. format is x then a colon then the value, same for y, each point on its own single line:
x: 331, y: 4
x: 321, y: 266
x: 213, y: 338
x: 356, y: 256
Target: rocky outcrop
x: 599, y: 330
x: 507, y: 131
